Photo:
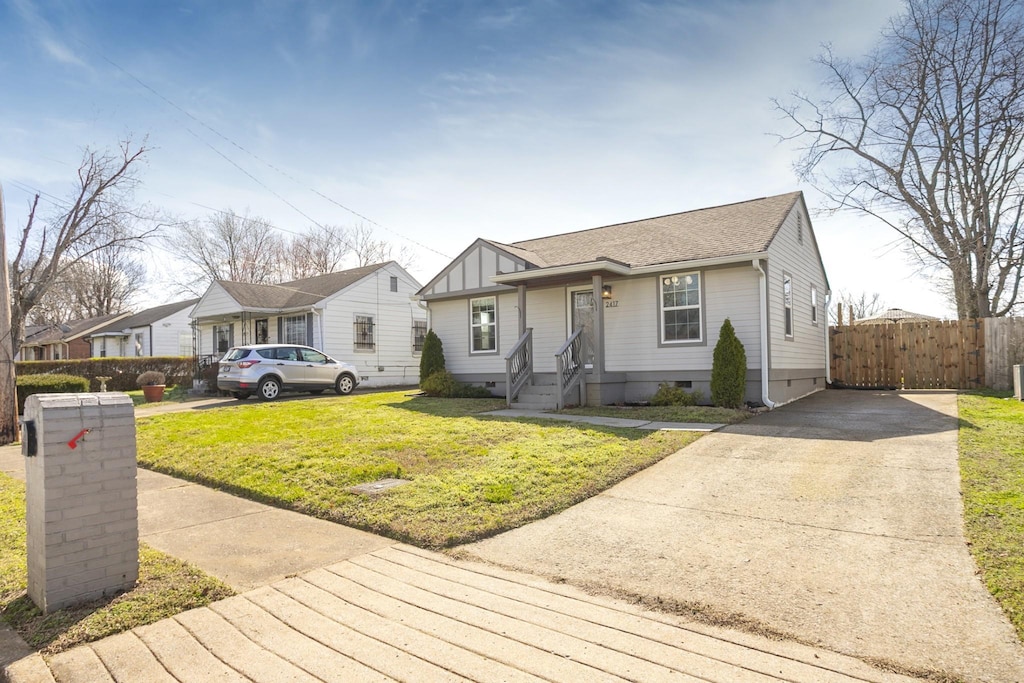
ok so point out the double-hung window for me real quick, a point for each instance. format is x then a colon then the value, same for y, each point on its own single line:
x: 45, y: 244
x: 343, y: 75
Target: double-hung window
x: 363, y: 333
x: 680, y: 308
x: 294, y: 329
x: 787, y: 303
x: 483, y: 325
x: 419, y: 334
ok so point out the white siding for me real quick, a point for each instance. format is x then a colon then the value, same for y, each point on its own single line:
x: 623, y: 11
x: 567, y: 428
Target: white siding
x: 450, y: 321
x: 786, y: 254
x: 165, y: 334
x: 473, y: 270
x: 632, y: 332
x: 393, y: 314
x: 215, y: 301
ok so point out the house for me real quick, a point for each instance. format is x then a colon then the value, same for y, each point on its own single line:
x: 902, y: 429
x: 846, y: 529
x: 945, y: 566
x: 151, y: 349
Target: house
x: 365, y: 316
x: 602, y: 316
x: 895, y: 315
x: 160, y: 331
x: 66, y: 340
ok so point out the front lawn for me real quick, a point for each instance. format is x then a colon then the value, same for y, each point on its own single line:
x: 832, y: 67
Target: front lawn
x: 992, y: 482
x: 471, y: 476
x: 166, y: 587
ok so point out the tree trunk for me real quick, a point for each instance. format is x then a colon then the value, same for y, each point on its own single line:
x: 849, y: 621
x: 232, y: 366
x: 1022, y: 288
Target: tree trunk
x: 8, y: 398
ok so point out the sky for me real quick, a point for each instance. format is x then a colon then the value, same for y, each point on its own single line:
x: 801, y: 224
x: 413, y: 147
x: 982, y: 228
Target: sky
x: 435, y: 123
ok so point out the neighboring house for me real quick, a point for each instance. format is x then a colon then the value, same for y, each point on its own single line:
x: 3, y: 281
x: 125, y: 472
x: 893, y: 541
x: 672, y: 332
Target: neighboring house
x: 69, y: 340
x: 508, y: 314
x: 365, y: 316
x: 895, y: 315
x: 160, y: 331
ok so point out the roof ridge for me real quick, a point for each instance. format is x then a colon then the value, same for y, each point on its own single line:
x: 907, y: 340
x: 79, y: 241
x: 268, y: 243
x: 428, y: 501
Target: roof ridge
x: 651, y: 218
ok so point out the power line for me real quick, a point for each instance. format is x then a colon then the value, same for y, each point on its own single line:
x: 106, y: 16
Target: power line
x: 261, y: 160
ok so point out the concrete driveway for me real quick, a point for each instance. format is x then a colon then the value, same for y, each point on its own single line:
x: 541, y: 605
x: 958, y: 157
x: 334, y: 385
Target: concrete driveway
x: 836, y: 520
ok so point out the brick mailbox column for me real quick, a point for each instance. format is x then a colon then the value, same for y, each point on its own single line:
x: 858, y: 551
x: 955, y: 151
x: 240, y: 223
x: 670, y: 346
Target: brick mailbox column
x: 81, y: 497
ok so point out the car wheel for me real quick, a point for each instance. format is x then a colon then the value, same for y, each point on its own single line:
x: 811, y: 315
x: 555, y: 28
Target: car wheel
x: 344, y: 385
x: 316, y: 391
x: 269, y: 389
x: 240, y: 395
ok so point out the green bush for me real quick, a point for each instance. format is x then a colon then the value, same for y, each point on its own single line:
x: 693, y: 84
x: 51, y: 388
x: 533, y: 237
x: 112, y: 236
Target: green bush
x: 671, y: 395
x: 121, y: 371
x: 48, y: 384
x: 444, y: 385
x: 432, y: 356
x: 729, y: 369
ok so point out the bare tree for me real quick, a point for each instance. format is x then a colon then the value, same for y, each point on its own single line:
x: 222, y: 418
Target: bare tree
x: 318, y: 252
x: 926, y: 135
x: 105, y: 282
x: 99, y: 215
x: 8, y: 388
x: 227, y: 246
x: 368, y: 250
x: 857, y: 306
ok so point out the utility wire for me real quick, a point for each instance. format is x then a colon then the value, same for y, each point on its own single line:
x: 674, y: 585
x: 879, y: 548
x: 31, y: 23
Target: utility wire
x: 261, y: 160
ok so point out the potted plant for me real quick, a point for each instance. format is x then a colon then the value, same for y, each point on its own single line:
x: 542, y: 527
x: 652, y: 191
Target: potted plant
x: 152, y: 383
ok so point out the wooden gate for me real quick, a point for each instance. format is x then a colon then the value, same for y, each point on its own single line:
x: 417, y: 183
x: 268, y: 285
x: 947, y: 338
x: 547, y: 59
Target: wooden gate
x: 921, y: 355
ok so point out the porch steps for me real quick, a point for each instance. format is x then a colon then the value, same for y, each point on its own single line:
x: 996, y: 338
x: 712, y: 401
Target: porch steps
x: 537, y: 397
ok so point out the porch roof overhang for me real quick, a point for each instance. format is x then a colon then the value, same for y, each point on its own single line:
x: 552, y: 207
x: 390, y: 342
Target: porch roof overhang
x: 609, y: 267
x: 250, y: 311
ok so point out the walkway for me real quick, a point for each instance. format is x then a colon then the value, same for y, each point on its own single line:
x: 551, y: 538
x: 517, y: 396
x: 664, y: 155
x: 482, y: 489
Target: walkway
x: 331, y: 603
x: 836, y: 519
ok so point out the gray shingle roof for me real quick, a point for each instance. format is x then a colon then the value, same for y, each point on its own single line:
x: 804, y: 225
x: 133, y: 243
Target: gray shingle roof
x: 69, y: 331
x: 733, y: 229
x: 297, y: 293
x: 146, y: 317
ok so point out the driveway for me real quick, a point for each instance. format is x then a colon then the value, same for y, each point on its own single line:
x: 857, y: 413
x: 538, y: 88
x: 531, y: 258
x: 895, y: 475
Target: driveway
x: 836, y: 520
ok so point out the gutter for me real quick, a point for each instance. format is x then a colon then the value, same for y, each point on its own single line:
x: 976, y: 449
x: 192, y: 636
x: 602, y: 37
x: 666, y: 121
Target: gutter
x: 763, y: 287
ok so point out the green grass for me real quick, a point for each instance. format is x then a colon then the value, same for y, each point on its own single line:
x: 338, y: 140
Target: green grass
x: 665, y: 413
x: 166, y: 587
x: 992, y: 483
x: 471, y: 476
x: 173, y: 394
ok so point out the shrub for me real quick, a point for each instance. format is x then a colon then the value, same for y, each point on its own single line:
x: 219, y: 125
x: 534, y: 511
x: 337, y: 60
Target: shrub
x: 432, y: 356
x: 48, y: 384
x: 122, y: 371
x: 444, y: 385
x: 150, y: 377
x: 671, y: 395
x: 729, y: 369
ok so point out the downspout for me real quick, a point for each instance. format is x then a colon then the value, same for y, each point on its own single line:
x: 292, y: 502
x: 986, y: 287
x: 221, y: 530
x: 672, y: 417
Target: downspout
x: 828, y: 351
x: 763, y: 286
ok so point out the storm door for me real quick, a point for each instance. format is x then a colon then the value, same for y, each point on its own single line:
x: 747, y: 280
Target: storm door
x: 581, y: 307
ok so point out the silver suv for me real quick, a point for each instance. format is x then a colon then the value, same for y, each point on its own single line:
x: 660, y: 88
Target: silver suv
x: 269, y: 369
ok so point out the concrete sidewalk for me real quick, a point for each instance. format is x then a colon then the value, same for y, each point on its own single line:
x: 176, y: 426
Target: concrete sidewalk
x: 836, y: 519
x: 325, y: 602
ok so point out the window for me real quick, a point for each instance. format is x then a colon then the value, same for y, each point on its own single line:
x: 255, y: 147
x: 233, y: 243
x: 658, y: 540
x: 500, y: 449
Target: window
x: 294, y: 328
x: 680, y: 308
x: 419, y: 333
x: 814, y: 305
x: 787, y: 302
x: 483, y: 325
x: 262, y: 331
x: 138, y: 343
x: 184, y: 343
x: 363, y: 333
x: 394, y: 283
x: 311, y: 356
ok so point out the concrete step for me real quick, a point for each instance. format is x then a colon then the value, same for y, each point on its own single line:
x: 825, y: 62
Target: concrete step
x: 534, y: 390
x: 534, y: 405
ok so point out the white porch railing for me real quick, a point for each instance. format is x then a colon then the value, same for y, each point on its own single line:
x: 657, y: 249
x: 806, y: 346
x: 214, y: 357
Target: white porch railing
x: 519, y: 366
x: 570, y: 368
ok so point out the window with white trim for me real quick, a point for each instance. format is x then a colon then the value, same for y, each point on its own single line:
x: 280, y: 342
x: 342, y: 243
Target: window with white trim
x: 680, y: 308
x: 294, y: 328
x: 814, y: 305
x: 483, y: 325
x: 363, y: 333
x: 787, y: 303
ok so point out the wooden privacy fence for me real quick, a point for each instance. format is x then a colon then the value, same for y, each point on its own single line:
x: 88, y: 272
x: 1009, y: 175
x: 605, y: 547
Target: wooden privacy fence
x: 919, y: 355
x: 956, y: 354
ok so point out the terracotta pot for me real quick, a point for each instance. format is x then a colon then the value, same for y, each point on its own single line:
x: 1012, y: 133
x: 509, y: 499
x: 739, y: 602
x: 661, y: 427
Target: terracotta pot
x: 153, y: 392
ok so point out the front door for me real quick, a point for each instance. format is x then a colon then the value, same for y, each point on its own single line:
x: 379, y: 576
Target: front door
x: 581, y: 305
